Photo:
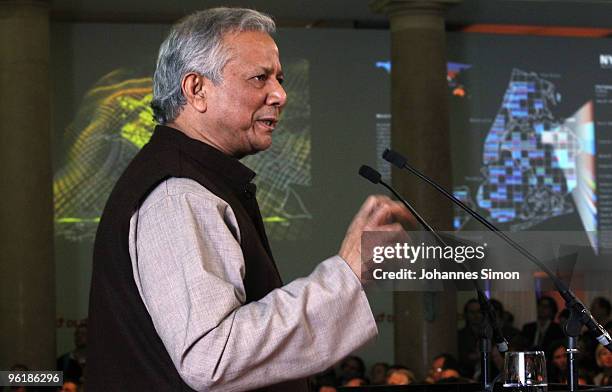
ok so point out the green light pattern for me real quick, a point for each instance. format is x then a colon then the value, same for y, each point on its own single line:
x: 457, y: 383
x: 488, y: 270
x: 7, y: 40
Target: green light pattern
x: 138, y: 131
x: 275, y: 219
x: 78, y: 220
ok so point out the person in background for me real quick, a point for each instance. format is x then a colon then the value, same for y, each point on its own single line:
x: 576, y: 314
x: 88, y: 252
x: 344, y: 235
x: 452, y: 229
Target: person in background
x: 504, y: 319
x: 563, y: 317
x: 586, y: 358
x: 439, y: 365
x: 399, y: 375
x: 541, y: 333
x: 600, y: 309
x: 327, y: 388
x: 468, y: 337
x: 557, y: 363
x: 452, y: 376
x: 603, y: 357
x: 70, y: 386
x: 73, y: 362
x: 508, y: 319
x: 326, y: 378
x: 351, y: 367
x: 356, y: 382
x: 378, y: 373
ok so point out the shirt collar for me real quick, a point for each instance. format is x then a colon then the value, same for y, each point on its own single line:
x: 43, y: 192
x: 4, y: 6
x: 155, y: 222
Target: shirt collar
x: 237, y: 174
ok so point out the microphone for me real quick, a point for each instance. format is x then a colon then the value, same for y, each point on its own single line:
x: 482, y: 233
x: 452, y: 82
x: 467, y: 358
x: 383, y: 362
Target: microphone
x: 370, y: 174
x: 374, y: 176
x: 571, y: 301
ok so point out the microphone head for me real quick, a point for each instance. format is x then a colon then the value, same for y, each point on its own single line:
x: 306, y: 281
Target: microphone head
x: 369, y: 174
x: 394, y: 157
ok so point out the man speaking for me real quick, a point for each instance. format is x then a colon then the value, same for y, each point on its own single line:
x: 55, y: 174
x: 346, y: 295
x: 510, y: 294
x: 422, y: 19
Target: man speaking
x: 185, y: 294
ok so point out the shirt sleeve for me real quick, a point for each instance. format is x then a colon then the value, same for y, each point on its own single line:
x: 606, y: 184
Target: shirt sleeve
x: 188, y: 266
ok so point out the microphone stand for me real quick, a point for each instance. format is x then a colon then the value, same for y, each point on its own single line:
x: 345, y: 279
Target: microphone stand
x: 579, y: 311
x: 489, y: 320
x: 485, y: 342
x: 572, y: 331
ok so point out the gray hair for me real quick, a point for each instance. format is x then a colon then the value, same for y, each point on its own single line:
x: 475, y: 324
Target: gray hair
x: 195, y: 44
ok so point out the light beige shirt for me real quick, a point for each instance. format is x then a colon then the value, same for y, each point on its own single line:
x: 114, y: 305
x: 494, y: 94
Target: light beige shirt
x: 188, y: 266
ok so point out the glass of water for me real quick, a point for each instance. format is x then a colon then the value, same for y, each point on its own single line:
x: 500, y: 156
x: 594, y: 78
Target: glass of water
x: 525, y: 371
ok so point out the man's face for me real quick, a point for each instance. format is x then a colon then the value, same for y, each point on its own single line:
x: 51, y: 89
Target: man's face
x: 245, y: 107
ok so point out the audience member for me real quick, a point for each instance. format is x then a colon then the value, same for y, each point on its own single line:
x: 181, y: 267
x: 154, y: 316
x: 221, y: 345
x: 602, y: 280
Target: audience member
x: 544, y: 331
x: 504, y: 319
x: 378, y: 373
x: 508, y: 319
x: 452, y: 376
x: 351, y: 367
x: 557, y: 364
x: 327, y: 378
x: 327, y: 388
x: 586, y: 358
x: 439, y: 364
x: 73, y: 363
x: 600, y: 309
x: 446, y: 369
x: 399, y: 375
x: 563, y: 317
x: 468, y: 337
x: 356, y: 382
x: 70, y: 386
x: 604, y: 360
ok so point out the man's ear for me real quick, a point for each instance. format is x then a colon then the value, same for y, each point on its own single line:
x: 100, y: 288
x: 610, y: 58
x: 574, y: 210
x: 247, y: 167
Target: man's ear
x: 194, y: 86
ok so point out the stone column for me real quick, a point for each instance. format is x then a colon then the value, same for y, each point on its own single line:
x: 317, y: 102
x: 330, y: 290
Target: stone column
x: 27, y: 277
x: 425, y: 323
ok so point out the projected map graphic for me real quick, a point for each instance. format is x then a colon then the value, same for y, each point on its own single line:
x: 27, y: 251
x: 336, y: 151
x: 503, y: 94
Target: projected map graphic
x: 114, y: 121
x: 533, y: 162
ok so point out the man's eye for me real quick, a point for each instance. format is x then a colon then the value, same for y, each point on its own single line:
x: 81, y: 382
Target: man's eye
x: 262, y: 77
x: 280, y: 80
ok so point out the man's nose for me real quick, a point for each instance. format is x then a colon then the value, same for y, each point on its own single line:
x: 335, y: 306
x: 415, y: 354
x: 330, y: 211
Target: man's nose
x: 277, y: 96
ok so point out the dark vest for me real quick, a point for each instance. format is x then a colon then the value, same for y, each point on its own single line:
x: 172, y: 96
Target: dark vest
x: 124, y: 351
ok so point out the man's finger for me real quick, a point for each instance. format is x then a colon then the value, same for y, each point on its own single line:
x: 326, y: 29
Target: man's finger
x: 389, y: 212
x: 373, y: 203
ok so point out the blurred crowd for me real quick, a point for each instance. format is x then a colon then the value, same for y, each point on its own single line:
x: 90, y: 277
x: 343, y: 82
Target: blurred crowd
x: 546, y: 334
x: 594, y: 362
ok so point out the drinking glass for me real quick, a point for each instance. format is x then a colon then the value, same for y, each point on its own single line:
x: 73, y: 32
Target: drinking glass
x: 525, y: 371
